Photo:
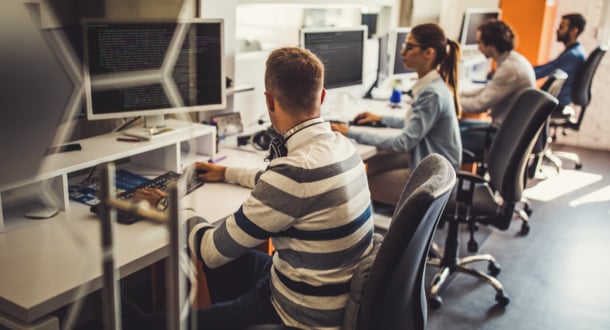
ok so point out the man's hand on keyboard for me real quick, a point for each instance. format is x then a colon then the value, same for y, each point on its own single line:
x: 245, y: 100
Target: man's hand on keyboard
x: 151, y: 195
x: 210, y: 172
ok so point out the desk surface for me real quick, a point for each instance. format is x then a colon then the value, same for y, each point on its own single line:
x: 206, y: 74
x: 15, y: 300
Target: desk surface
x: 47, y: 264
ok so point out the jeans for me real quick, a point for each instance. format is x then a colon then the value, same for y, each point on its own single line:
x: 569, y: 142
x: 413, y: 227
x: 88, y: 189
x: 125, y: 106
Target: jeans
x: 240, y: 294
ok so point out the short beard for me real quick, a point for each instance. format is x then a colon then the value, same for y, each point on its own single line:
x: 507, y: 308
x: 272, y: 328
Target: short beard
x: 563, y: 38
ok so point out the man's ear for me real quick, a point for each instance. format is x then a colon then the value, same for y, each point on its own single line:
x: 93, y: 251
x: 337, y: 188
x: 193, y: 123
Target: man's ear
x: 269, y: 101
x: 573, y: 33
x: 322, y: 95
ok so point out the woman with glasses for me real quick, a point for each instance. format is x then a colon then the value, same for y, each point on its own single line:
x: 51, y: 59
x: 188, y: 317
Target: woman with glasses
x: 431, y: 126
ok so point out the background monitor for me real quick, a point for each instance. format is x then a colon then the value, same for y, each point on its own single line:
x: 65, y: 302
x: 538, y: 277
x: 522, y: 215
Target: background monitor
x: 383, y: 68
x: 397, y: 68
x: 153, y: 68
x: 472, y: 19
x: 342, y: 52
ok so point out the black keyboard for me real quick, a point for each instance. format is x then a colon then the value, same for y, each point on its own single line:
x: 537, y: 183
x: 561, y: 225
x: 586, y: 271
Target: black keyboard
x: 161, y: 182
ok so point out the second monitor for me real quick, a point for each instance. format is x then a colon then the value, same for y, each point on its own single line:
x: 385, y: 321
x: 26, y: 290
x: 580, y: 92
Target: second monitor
x: 342, y: 51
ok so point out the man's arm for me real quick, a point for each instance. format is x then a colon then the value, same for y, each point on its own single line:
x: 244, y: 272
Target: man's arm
x: 259, y: 218
x: 567, y: 62
x: 246, y: 177
x: 497, y: 89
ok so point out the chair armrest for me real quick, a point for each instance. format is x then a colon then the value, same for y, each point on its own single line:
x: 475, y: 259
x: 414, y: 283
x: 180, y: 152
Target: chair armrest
x: 477, y: 128
x: 466, y: 183
x: 467, y: 154
x: 468, y: 176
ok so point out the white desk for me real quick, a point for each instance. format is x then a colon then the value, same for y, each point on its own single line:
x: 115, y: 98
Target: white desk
x: 48, y: 264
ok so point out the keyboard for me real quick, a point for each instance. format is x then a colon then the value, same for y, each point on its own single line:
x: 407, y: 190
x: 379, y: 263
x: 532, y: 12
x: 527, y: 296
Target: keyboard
x: 161, y: 182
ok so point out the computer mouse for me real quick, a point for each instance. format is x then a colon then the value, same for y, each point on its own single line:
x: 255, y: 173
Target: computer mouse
x: 358, y: 117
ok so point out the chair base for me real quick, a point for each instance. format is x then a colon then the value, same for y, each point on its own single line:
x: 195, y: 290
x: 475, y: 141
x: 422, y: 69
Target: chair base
x: 556, y: 159
x: 449, y: 263
x: 446, y: 271
x: 559, y: 155
x: 524, y: 215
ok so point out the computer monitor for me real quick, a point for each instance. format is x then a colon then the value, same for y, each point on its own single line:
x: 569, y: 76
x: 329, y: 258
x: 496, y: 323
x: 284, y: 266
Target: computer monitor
x: 397, y: 70
x: 382, y: 64
x: 341, y: 49
x: 472, y: 19
x: 153, y: 68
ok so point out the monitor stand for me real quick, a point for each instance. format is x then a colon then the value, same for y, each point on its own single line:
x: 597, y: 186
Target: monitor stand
x: 156, y: 127
x: 340, y: 104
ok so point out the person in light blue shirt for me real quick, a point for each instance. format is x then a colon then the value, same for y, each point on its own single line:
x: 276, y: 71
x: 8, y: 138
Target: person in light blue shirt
x: 570, y: 60
x: 431, y: 126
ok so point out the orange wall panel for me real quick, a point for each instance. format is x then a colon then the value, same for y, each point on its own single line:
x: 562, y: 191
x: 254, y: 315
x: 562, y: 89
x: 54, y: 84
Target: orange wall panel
x: 532, y: 21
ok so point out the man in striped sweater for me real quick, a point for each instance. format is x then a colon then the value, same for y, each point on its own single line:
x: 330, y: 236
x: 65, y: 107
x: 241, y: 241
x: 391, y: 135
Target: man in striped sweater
x: 313, y: 202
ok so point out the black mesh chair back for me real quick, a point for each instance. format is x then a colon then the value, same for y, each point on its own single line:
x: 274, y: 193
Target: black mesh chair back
x: 394, y: 295
x: 581, y: 92
x: 514, y: 142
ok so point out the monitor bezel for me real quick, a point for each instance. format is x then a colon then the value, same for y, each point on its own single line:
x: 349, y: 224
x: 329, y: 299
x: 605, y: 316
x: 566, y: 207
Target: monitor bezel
x: 393, y: 43
x: 91, y: 115
x: 468, y: 12
x: 363, y: 29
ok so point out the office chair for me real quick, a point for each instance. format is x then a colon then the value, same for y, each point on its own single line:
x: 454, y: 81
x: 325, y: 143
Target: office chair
x: 478, y: 158
x: 387, y: 289
x: 566, y: 118
x: 491, y: 200
x: 553, y: 86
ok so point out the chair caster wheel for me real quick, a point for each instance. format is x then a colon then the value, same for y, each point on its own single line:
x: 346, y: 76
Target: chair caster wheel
x: 435, y: 302
x: 502, y: 299
x: 473, y: 246
x: 493, y: 268
x: 528, y: 210
x: 525, y: 228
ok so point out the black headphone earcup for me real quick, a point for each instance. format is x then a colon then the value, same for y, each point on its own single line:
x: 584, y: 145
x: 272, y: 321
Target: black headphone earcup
x: 262, y: 139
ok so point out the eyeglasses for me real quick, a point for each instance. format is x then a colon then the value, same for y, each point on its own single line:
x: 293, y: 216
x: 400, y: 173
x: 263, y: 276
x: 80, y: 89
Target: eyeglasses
x: 409, y: 46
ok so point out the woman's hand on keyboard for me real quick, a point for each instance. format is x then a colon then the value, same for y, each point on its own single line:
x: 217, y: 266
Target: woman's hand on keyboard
x: 210, y: 172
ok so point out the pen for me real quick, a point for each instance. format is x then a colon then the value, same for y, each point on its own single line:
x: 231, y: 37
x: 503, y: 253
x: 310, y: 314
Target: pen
x: 125, y: 139
x: 216, y: 160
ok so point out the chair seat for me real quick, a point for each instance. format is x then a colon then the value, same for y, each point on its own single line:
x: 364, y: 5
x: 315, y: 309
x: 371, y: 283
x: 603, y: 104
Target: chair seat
x: 484, y: 202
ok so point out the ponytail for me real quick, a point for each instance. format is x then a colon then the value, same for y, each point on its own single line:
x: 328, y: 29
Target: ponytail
x: 447, y: 56
x: 448, y: 69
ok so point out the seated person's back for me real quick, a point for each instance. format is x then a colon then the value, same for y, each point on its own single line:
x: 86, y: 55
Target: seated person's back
x: 572, y: 57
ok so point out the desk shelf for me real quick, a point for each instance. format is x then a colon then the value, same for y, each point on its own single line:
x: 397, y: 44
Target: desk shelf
x: 47, y: 264
x: 162, y: 152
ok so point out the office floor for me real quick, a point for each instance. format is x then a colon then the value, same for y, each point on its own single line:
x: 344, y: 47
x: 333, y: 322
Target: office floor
x: 558, y: 276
